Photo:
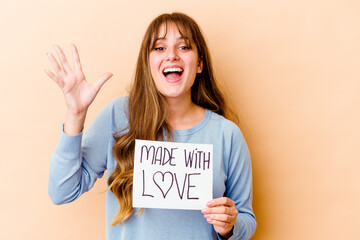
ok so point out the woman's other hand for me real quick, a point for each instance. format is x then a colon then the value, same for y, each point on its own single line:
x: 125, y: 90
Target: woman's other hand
x: 221, y: 213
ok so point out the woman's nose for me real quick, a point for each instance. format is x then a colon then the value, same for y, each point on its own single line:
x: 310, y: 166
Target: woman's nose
x: 171, y: 54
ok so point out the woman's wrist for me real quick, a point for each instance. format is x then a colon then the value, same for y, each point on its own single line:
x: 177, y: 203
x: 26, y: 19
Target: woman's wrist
x: 228, y: 235
x: 74, y: 123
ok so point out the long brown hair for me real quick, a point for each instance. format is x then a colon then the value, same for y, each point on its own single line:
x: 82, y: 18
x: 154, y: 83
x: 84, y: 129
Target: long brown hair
x: 147, y: 110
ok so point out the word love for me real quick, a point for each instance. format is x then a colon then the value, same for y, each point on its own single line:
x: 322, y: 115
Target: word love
x: 165, y: 182
x: 172, y: 175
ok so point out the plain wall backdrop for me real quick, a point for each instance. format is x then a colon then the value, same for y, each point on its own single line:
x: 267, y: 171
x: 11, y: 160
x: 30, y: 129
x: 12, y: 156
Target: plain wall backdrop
x: 291, y: 69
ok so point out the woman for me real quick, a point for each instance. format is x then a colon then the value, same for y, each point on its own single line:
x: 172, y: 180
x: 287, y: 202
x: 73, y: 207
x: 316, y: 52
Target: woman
x: 174, y: 97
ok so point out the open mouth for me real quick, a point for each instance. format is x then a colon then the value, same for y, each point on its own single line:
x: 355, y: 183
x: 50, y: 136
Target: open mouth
x: 173, y: 73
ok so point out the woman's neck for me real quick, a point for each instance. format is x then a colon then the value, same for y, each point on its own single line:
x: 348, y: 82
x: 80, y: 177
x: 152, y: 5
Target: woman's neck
x: 183, y: 113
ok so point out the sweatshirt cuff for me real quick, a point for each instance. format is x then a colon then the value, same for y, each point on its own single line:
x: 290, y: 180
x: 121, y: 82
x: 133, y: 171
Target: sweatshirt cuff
x: 221, y: 238
x: 69, y: 146
x: 239, y: 231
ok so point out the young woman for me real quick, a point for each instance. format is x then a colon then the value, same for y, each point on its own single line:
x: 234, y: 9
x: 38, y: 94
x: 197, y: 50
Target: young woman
x: 174, y: 97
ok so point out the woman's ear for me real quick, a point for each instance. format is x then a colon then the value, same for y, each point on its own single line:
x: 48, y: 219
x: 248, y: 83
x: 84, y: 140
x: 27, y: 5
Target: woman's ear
x: 200, y: 65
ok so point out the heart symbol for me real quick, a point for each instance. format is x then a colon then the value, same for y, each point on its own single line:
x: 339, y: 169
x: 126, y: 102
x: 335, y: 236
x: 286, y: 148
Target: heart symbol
x: 160, y: 180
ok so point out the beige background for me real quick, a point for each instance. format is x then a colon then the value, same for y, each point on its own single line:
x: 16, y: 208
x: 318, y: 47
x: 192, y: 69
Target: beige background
x: 292, y: 69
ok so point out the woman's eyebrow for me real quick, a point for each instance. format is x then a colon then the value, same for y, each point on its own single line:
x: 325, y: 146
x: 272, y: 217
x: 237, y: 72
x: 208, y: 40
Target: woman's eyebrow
x: 160, y: 39
x: 179, y: 39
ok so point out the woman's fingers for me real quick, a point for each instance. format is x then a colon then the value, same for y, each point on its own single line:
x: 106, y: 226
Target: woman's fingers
x: 221, y: 201
x: 76, y: 58
x: 221, y: 213
x: 221, y: 210
x: 63, y: 61
x: 221, y: 224
x: 220, y: 217
x: 55, y: 78
x: 56, y: 65
x: 100, y: 82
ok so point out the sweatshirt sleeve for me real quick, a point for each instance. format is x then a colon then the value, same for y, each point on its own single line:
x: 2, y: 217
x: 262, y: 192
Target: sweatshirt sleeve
x: 77, y: 162
x: 239, y: 187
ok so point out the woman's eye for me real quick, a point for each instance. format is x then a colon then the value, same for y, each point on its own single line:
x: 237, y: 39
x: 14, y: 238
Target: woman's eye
x: 158, y: 48
x: 184, y: 47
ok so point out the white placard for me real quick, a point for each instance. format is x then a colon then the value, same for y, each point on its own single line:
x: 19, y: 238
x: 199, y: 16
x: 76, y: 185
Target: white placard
x: 172, y: 175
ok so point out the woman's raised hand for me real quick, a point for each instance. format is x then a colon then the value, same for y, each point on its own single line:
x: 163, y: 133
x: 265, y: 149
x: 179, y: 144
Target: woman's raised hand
x: 78, y: 93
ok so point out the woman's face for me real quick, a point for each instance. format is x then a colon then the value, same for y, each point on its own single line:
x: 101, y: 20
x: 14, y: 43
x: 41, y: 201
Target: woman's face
x: 173, y: 63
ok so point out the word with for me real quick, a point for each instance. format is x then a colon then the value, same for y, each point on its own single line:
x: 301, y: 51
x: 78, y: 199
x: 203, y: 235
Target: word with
x: 197, y: 157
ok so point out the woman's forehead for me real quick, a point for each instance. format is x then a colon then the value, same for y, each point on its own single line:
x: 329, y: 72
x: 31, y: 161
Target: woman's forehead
x: 166, y: 28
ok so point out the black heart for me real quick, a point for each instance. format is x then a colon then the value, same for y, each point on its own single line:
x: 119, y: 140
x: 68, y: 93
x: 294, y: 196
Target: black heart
x: 163, y: 183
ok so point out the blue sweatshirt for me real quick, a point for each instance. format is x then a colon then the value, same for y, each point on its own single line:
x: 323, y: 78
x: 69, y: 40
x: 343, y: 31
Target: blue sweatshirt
x: 78, y: 161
